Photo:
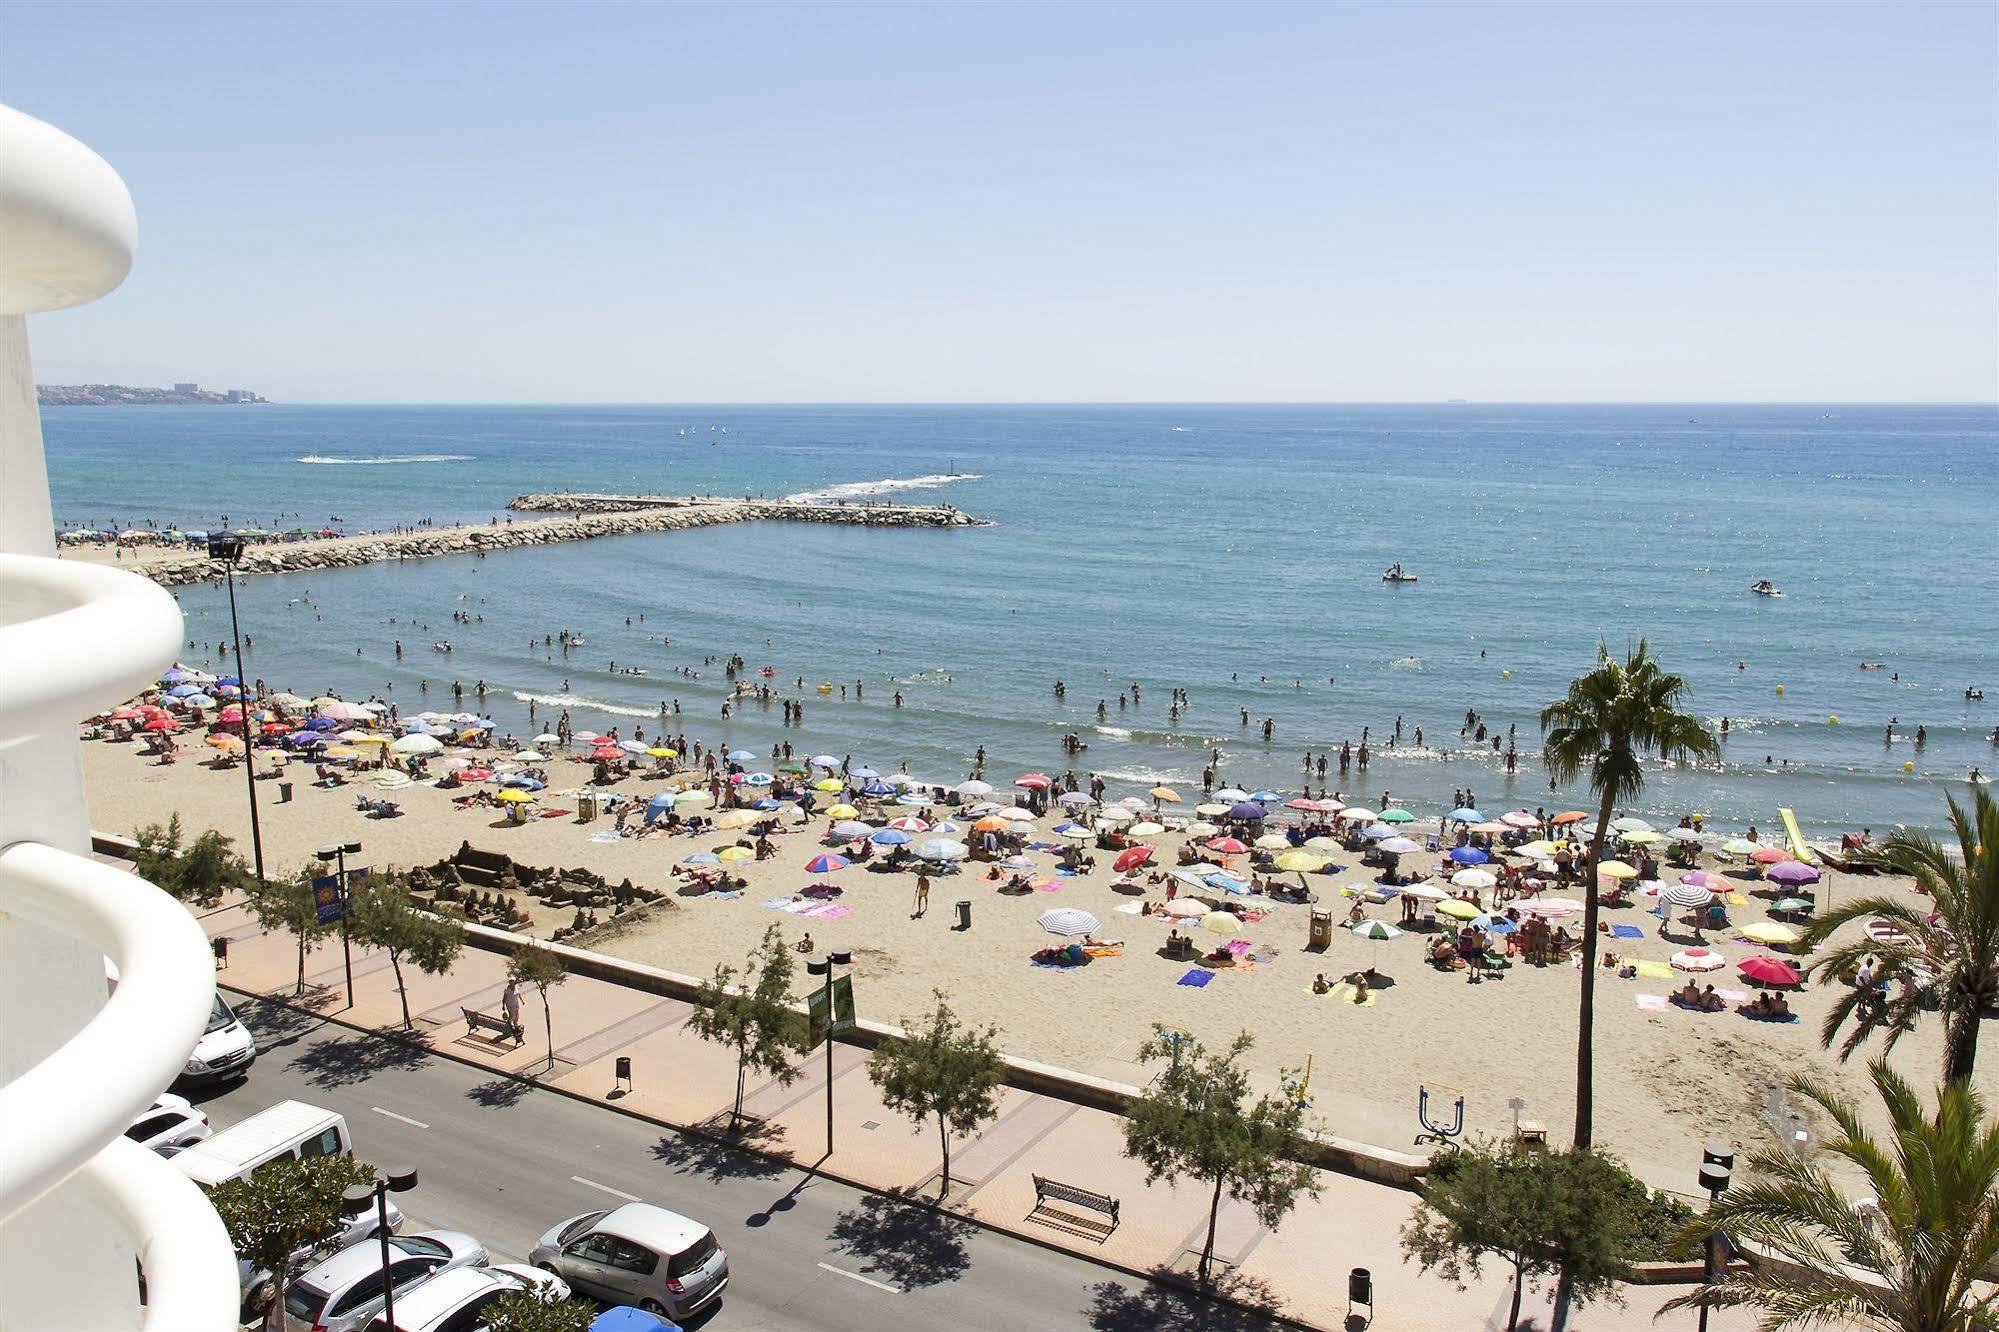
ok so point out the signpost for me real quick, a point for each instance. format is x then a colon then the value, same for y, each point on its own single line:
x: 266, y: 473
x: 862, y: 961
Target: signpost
x: 829, y: 1012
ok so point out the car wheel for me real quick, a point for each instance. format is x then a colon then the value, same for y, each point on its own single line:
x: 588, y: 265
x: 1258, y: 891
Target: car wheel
x: 258, y: 1300
x: 655, y: 1308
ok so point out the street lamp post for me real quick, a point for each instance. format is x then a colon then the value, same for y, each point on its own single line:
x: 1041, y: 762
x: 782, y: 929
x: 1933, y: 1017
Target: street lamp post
x: 355, y: 1203
x: 823, y: 966
x: 1717, y: 1163
x: 229, y: 549
x: 337, y: 855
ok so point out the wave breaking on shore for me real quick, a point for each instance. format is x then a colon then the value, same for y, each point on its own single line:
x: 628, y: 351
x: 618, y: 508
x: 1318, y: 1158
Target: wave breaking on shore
x: 580, y: 703
x: 862, y: 489
x: 328, y: 460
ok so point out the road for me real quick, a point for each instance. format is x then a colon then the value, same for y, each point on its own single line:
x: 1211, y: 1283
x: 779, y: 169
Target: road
x: 505, y: 1161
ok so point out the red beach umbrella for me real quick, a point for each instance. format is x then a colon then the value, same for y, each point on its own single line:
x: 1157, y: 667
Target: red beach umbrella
x: 1132, y: 859
x: 1227, y: 846
x: 1771, y: 855
x: 1768, y: 971
x: 1033, y: 781
x: 161, y: 723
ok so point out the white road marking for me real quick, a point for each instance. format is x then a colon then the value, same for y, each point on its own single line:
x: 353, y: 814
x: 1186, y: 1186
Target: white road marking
x: 615, y: 1193
x: 413, y: 1123
x: 865, y: 1281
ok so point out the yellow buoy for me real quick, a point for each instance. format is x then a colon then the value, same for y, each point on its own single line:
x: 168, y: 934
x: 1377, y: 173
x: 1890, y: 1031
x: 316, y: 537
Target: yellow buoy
x: 1506, y: 675
x: 1833, y: 720
x: 1780, y: 689
x: 1908, y: 767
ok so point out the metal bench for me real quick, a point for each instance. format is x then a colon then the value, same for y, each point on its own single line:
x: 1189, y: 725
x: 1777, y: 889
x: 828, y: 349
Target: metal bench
x: 474, y: 1020
x: 1048, y: 1191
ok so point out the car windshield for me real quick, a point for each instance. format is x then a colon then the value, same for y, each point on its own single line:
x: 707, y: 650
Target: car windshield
x: 693, y: 1256
x: 219, y: 1016
x: 420, y: 1246
x: 579, y: 1225
x: 304, y: 1302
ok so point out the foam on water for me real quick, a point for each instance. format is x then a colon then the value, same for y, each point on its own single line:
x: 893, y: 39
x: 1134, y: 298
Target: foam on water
x: 861, y: 489
x: 578, y: 703
x: 326, y: 461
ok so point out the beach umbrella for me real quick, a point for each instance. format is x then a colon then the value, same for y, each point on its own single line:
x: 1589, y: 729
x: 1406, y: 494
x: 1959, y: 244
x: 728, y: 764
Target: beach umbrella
x: 347, y: 712
x: 1326, y: 844
x: 1519, y: 818
x: 1146, y: 828
x: 1641, y: 838
x: 531, y: 756
x: 1185, y: 908
x: 702, y: 858
x: 1273, y: 842
x: 827, y: 864
x: 520, y: 783
x: 417, y: 744
x: 1211, y: 810
x: 1374, y: 832
x: 863, y: 774
x: 1222, y: 922
x: 826, y: 761
x: 1465, y: 815
x: 1131, y: 859
x: 728, y: 855
x: 1793, y: 871
x: 1714, y: 883
x: 393, y: 781
x: 159, y: 724
x: 1490, y: 829
x: 902, y: 781
x: 1698, y: 959
x: 1075, y: 832
x: 1017, y: 863
x: 632, y: 746
x: 1300, y: 862
x: 828, y: 785
x: 1265, y: 797
x: 183, y: 690
x: 1399, y: 846
x: 1689, y: 895
x: 735, y: 818
x: 1032, y: 781
x: 973, y: 789
x: 1795, y: 906
x: 741, y: 756
x: 1457, y: 909
x: 1768, y: 971
x: 877, y: 790
x: 1427, y: 892
x: 1475, y: 879
x: 991, y: 823
x: 662, y: 752
x: 339, y: 752
x: 758, y: 779
x: 1495, y: 924
x: 1379, y: 930
x: 1771, y: 855
x: 1469, y: 855
x: 1567, y: 817
x: 1551, y: 908
x: 1164, y: 795
x: 852, y: 828
x: 913, y: 800
x: 1248, y: 811
x: 942, y: 849
x: 1315, y: 806
x: 1226, y: 846
x: 1115, y: 814
x: 1769, y: 932
x: 842, y: 812
x: 1535, y: 850
x: 1615, y: 869
x: 1202, y: 829
x: 515, y: 796
x: 1396, y: 814
x: 1228, y: 795
x: 1741, y: 846
x: 1630, y: 823
x: 910, y: 824
x: 1069, y: 922
x: 223, y: 740
x: 1074, y: 799
x: 1015, y: 814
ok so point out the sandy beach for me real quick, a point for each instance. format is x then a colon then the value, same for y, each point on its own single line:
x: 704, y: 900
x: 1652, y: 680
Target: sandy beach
x: 1668, y: 1079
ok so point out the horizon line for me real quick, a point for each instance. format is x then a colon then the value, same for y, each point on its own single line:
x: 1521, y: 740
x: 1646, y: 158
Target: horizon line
x: 1082, y: 402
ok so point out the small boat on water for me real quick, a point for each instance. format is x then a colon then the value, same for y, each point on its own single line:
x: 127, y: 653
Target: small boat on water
x: 1395, y: 573
x: 1763, y: 587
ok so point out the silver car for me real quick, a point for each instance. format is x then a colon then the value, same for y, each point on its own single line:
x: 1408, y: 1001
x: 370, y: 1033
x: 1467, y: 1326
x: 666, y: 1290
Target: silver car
x: 345, y: 1291
x: 638, y: 1254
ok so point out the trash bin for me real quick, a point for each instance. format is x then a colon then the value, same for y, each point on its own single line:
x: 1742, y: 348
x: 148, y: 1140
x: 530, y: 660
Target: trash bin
x: 964, y: 915
x: 284, y: 793
x: 588, y: 806
x: 1322, y: 929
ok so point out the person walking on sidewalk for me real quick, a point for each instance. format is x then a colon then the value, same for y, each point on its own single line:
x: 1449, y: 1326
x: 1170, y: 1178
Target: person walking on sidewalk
x: 510, y: 1005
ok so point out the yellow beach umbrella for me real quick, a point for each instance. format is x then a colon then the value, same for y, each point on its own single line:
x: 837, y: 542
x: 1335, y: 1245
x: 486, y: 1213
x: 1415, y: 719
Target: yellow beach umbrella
x: 829, y: 784
x: 1615, y: 869
x: 340, y: 752
x: 369, y: 739
x: 1643, y: 837
x: 1165, y: 795
x: 1770, y: 932
x: 1222, y: 922
x: 730, y: 854
x: 842, y: 812
x: 1456, y: 909
x: 1300, y: 862
x: 1327, y: 844
x: 223, y: 740
x: 1535, y: 850
x: 735, y: 818
x: 513, y: 795
x: 659, y: 752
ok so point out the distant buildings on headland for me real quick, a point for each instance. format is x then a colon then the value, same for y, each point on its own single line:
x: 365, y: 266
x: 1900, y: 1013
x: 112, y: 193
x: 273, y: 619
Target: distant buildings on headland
x: 118, y: 395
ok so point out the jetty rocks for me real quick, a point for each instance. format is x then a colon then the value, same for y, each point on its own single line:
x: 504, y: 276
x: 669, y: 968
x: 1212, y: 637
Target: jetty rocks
x: 584, y: 517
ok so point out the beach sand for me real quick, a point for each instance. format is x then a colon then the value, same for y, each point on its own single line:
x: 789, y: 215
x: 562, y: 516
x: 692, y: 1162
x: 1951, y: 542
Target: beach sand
x: 1666, y: 1080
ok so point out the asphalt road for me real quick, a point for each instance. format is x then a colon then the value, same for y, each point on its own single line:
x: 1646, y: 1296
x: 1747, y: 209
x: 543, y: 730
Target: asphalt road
x: 505, y: 1162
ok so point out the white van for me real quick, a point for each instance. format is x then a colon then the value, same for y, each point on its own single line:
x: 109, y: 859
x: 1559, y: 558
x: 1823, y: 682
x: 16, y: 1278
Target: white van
x: 225, y: 1050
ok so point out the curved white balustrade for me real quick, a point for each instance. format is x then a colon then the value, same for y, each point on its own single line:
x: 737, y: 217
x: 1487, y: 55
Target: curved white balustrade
x: 62, y: 1111
x: 77, y: 638
x: 67, y: 227
x: 191, y: 1280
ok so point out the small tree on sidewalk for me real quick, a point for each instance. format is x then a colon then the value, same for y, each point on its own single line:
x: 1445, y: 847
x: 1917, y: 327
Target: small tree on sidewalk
x: 386, y: 918
x: 1195, y: 1120
x: 535, y: 1311
x: 286, y: 1208
x: 544, y: 970
x: 198, y: 873
x: 288, y: 905
x: 941, y: 1068
x: 750, y: 1012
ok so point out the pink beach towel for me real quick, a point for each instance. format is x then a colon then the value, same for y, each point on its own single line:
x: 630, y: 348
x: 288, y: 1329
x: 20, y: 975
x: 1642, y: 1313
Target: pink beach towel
x: 1651, y: 1003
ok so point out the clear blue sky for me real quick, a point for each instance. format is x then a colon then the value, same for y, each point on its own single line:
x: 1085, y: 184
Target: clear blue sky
x: 433, y: 202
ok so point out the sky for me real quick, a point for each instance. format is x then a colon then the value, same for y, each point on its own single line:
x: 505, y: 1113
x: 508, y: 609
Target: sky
x: 1036, y: 203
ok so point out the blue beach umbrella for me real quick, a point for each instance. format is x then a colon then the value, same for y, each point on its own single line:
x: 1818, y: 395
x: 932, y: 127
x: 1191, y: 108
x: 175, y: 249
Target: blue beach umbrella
x: 523, y: 782
x: 826, y: 864
x: 1265, y: 797
x: 229, y: 680
x: 863, y: 774
x: 890, y: 837
x: 662, y: 801
x: 1469, y: 855
x: 758, y: 779
x: 767, y: 804
x: 1248, y: 811
x: 322, y: 724
x: 878, y: 790
x: 1465, y: 815
x: 183, y: 691
x: 176, y: 676
x: 702, y: 858
x: 1493, y: 924
x: 741, y: 756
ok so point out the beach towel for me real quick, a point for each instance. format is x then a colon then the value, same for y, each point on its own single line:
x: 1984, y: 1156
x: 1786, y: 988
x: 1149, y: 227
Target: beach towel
x: 1046, y: 886
x: 1066, y: 873
x: 780, y: 904
x: 804, y: 906
x: 1131, y: 909
x: 829, y: 911
x: 1656, y: 970
x: 1737, y: 899
x: 1733, y: 996
x: 1252, y: 915
x: 1196, y: 978
x: 1626, y: 932
x: 1346, y: 994
x: 605, y: 837
x: 1651, y: 1003
x: 727, y: 894
x: 1237, y: 947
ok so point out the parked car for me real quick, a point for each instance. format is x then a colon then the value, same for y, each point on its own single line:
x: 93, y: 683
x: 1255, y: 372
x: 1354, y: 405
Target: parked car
x: 169, y: 1125
x: 226, y: 1049
x: 638, y: 1254
x: 341, y: 1293
x: 456, y: 1300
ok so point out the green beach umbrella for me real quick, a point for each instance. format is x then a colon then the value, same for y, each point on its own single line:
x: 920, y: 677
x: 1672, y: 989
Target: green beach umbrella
x: 1395, y: 814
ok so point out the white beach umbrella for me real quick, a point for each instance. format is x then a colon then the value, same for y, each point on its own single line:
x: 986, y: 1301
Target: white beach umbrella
x: 1115, y: 814
x: 1698, y: 959
x: 1231, y: 794
x: 942, y: 849
x: 974, y: 788
x: 1069, y: 922
x: 417, y: 743
x: 1015, y: 814
x: 1690, y: 895
x: 1185, y: 908
x: 1474, y: 879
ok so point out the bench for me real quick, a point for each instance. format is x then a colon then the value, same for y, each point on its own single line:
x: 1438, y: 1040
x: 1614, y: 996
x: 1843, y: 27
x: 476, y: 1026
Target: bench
x: 1048, y: 1190
x: 474, y: 1020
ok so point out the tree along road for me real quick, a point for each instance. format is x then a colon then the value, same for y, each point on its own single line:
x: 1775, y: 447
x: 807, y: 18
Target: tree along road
x: 504, y: 1162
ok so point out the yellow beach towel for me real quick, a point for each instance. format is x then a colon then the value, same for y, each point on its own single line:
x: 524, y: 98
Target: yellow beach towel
x: 1656, y: 970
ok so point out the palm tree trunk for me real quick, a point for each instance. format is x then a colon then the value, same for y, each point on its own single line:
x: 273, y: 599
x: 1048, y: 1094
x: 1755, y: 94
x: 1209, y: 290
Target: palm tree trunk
x: 1960, y: 1046
x: 1586, y: 998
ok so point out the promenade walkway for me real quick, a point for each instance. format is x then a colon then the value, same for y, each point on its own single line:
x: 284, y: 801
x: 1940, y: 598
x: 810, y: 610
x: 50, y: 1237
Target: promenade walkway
x: 1299, y: 1270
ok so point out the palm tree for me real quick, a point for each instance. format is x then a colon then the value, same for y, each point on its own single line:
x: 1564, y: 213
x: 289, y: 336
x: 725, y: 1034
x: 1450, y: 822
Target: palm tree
x: 1610, y: 719
x: 1907, y: 1261
x: 1950, y: 947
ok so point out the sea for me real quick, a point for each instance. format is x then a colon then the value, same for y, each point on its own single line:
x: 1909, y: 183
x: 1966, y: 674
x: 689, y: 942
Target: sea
x: 1235, y: 552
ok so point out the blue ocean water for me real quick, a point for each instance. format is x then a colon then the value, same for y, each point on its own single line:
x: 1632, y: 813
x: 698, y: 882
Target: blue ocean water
x: 1233, y: 551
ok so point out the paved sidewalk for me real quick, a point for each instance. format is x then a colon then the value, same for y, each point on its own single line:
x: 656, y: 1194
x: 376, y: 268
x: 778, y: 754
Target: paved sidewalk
x: 1299, y: 1270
